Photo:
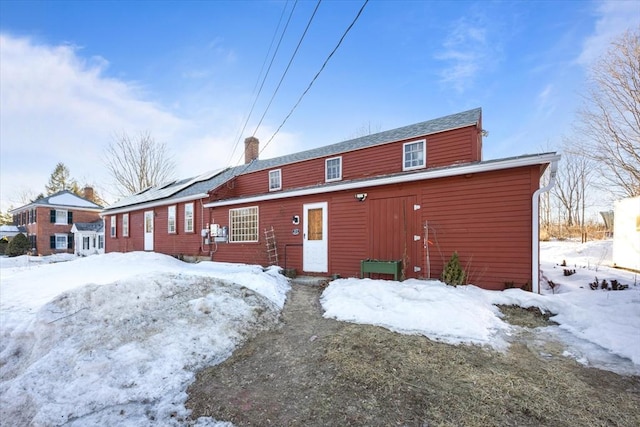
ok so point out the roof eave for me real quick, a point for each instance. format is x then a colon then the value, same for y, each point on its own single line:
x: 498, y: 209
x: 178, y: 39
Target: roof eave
x: 463, y: 169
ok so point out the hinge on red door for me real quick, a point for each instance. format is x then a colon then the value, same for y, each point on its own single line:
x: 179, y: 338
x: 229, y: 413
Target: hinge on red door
x: 416, y: 207
x: 416, y: 269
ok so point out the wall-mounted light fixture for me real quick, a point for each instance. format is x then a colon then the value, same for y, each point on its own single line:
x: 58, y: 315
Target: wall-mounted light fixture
x: 361, y: 197
x: 295, y: 220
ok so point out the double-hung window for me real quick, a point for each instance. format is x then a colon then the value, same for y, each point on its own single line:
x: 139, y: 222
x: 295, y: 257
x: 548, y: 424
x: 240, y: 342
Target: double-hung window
x: 188, y: 218
x: 61, y: 241
x: 415, y: 155
x: 60, y: 216
x: 243, y: 224
x: 333, y: 169
x: 171, y: 219
x: 125, y: 225
x: 275, y: 180
x: 113, y: 226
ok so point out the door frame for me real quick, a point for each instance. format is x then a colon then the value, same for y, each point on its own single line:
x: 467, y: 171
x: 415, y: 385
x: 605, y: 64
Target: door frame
x: 148, y: 236
x: 315, y: 253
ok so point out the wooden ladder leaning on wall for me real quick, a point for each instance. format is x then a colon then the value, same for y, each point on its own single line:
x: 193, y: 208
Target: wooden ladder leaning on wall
x: 272, y: 248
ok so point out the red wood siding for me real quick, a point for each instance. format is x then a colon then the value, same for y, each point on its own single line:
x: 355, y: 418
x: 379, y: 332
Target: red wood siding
x: 445, y: 148
x: 175, y: 244
x: 485, y: 217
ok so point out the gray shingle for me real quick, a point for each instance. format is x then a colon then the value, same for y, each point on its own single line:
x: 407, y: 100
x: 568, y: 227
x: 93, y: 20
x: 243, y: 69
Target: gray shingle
x: 202, y: 184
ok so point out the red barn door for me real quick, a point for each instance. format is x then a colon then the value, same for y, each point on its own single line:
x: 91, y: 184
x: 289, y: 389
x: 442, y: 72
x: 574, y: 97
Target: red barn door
x: 394, y: 232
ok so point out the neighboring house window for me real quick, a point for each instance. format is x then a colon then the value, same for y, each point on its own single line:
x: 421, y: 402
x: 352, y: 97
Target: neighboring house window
x: 243, y: 224
x: 333, y: 169
x: 61, y: 216
x: 85, y: 243
x: 188, y: 218
x: 113, y: 226
x: 171, y: 219
x: 100, y: 242
x: 275, y: 180
x: 414, y: 155
x: 125, y: 225
x: 59, y: 241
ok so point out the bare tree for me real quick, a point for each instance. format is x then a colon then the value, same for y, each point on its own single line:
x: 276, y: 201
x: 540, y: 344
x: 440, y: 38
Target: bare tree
x: 136, y: 164
x: 610, y: 118
x: 573, y: 180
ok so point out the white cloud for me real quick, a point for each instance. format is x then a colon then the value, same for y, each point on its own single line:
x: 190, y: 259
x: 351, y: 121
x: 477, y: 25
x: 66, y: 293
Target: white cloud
x: 467, y: 51
x: 614, y: 17
x: 55, y: 107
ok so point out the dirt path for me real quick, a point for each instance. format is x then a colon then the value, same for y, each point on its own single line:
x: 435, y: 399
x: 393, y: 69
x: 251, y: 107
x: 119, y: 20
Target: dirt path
x: 312, y: 371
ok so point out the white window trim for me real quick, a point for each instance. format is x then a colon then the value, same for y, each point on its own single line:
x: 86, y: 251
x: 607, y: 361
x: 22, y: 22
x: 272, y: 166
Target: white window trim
x: 113, y: 226
x: 188, y: 229
x: 66, y: 241
x: 125, y: 225
x: 424, y: 155
x: 61, y: 212
x: 279, y: 172
x: 172, y: 209
x: 231, y: 228
x: 326, y: 169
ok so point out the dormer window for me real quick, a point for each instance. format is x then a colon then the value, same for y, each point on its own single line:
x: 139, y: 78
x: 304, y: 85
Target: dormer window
x: 415, y: 155
x: 333, y: 169
x: 275, y: 180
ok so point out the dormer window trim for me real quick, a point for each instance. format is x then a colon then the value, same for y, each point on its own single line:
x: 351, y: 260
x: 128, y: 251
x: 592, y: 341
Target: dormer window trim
x: 275, y: 180
x: 333, y: 169
x: 414, y: 155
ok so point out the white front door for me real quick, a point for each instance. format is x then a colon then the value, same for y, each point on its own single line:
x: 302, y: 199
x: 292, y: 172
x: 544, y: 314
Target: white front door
x: 315, y: 253
x: 148, y: 231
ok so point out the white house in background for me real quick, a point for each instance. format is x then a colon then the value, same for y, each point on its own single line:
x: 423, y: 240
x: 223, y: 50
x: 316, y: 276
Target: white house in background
x: 626, y: 233
x: 11, y: 231
x: 88, y: 237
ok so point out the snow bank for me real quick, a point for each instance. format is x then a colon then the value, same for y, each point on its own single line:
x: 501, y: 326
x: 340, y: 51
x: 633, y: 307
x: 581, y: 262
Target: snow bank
x: 122, y: 352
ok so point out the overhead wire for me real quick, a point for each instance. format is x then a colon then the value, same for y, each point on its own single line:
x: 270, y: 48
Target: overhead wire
x: 316, y: 76
x: 286, y: 70
x: 266, y: 74
x: 324, y: 64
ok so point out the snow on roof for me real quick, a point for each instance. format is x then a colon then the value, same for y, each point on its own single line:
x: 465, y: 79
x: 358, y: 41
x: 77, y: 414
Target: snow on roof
x: 70, y: 199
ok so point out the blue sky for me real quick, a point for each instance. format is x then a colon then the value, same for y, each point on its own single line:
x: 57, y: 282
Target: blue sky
x: 74, y: 74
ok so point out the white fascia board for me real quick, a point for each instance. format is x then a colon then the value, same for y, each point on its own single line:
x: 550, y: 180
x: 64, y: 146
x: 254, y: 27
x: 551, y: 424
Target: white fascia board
x: 468, y: 168
x: 155, y: 204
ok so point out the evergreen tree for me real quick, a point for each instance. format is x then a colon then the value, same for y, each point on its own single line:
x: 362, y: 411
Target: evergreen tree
x: 453, y: 273
x: 6, y: 218
x: 19, y: 245
x: 60, y: 180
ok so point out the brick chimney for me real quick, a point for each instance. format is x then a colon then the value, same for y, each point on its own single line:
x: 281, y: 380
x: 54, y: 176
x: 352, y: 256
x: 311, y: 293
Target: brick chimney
x: 88, y: 193
x: 251, y: 149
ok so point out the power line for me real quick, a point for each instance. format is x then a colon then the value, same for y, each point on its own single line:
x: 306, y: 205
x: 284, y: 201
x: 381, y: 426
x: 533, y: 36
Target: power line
x: 241, y: 132
x: 244, y: 126
x: 288, y: 66
x: 316, y: 76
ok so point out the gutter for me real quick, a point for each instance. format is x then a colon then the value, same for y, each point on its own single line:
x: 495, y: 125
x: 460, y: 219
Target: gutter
x: 535, y: 233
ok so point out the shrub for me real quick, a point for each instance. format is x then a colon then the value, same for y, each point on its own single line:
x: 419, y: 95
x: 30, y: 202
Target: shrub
x: 3, y: 245
x: 453, y: 274
x: 19, y: 245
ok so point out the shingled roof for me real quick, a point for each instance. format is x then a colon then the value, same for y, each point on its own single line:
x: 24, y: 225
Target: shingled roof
x: 198, y: 186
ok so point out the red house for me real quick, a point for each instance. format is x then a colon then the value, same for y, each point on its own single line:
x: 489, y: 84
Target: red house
x: 48, y: 220
x: 409, y: 196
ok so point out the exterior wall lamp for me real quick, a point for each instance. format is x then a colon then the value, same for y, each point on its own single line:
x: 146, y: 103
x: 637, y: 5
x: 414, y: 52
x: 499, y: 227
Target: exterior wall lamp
x: 361, y: 197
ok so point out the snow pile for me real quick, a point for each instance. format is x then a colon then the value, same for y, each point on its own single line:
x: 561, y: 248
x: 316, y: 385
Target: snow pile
x: 599, y: 327
x: 431, y: 308
x: 123, y: 350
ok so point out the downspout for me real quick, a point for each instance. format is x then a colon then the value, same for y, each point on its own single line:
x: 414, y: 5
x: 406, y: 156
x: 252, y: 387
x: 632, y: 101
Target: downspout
x: 535, y: 234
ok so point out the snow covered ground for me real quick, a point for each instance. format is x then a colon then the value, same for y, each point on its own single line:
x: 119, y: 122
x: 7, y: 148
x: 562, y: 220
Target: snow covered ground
x: 116, y: 339
x: 601, y: 328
